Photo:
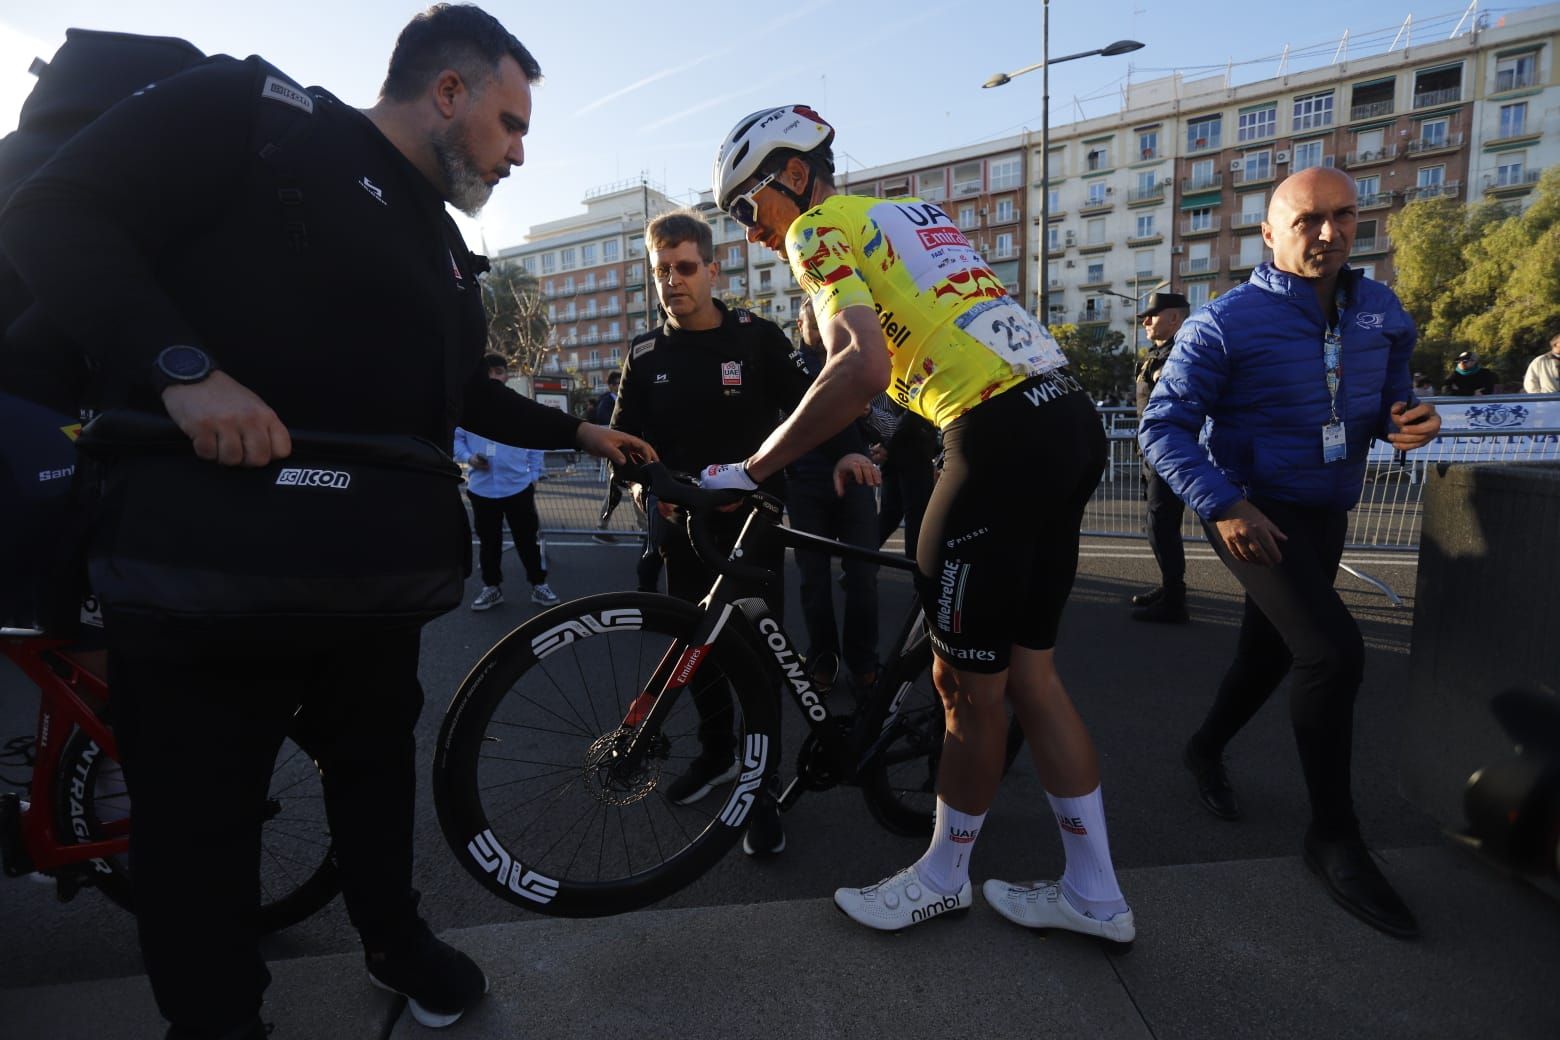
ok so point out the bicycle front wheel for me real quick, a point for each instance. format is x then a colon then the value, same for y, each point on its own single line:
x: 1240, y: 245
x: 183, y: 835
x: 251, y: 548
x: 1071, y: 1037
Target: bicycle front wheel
x: 904, y: 720
x: 529, y: 778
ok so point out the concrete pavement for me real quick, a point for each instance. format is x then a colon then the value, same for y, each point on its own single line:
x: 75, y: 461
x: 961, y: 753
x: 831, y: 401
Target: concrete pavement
x: 1233, y: 949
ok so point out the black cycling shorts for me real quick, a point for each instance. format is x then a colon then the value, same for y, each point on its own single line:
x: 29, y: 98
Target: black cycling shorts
x: 999, y: 545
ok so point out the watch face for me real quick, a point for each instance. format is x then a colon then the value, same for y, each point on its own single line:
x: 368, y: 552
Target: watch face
x: 184, y: 364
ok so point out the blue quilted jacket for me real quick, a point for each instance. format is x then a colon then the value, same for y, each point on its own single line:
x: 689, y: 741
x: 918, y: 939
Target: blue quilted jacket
x: 1250, y: 365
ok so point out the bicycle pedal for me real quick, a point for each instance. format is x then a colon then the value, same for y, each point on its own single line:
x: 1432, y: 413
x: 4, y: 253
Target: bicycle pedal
x: 13, y: 853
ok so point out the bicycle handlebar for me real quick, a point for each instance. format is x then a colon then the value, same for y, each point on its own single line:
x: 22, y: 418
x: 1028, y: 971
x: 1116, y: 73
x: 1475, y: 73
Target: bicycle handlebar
x: 678, y: 489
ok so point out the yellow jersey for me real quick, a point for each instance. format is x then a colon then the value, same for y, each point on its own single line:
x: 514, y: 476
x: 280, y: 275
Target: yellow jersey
x: 956, y: 338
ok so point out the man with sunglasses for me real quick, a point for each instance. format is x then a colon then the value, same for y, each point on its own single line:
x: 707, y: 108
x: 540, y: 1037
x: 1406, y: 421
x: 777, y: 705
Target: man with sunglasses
x: 906, y: 303
x: 712, y: 380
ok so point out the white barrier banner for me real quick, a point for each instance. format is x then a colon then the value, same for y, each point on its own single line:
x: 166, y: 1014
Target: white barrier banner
x: 1489, y: 429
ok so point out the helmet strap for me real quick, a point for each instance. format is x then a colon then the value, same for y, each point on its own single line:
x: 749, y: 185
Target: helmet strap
x: 802, y: 200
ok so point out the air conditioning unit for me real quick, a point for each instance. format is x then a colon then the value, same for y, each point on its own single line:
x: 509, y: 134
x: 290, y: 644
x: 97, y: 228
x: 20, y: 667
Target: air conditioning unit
x: 1177, y: 250
x: 1167, y: 182
x: 1281, y: 157
x: 1072, y: 263
x: 1236, y: 164
x: 1109, y: 190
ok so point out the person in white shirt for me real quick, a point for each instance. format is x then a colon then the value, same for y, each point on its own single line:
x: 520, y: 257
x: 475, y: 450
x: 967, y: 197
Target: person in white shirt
x: 1543, y: 374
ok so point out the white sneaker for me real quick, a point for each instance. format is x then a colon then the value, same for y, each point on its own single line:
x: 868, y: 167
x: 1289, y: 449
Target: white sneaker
x: 1040, y: 904
x: 543, y: 594
x: 490, y: 597
x: 898, y: 902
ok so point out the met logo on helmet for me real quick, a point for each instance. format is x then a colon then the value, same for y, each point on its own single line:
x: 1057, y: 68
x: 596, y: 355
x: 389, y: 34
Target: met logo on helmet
x: 294, y: 476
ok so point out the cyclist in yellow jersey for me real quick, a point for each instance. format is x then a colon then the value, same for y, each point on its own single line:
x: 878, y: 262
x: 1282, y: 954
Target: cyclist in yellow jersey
x: 907, y: 304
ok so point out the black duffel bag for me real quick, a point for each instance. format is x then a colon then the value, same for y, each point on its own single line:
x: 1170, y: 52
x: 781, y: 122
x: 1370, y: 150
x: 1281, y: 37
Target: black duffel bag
x: 348, y: 535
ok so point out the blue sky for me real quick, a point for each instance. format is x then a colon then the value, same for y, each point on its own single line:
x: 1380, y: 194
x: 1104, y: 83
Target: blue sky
x: 652, y: 88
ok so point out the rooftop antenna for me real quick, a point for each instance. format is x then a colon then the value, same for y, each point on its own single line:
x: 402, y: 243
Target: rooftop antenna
x: 1405, y: 33
x: 1473, y: 9
x: 1343, y: 48
x: 1283, y: 61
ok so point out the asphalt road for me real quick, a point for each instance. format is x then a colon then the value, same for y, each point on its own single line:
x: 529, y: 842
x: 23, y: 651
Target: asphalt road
x: 1141, y: 688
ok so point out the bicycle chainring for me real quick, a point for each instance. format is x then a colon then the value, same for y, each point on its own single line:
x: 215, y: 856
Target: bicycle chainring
x: 815, y: 769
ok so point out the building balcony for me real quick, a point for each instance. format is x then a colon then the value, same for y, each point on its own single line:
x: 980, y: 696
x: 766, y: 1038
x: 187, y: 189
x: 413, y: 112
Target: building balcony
x: 1095, y: 207
x: 1314, y: 121
x: 1370, y: 157
x: 1509, y: 80
x: 1145, y: 240
x: 1422, y: 147
x: 1512, y: 136
x: 1146, y: 196
x: 1148, y: 154
x: 1376, y: 200
x: 1055, y: 214
x: 1211, y: 182
x: 1206, y: 226
x: 1244, y: 175
x: 1432, y: 98
x: 1200, y: 265
x: 1451, y: 189
x: 1371, y: 110
x: 1094, y: 315
x: 1096, y: 247
x: 765, y: 260
x: 1258, y: 133
x: 1202, y: 144
x: 1239, y: 265
x: 1245, y: 220
x: 1002, y: 254
x: 1094, y: 285
x: 634, y: 281
x: 1377, y: 243
x: 1511, y: 183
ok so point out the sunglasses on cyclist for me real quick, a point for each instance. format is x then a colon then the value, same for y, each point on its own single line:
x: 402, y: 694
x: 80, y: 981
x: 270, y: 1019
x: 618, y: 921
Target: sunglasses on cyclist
x: 744, y: 208
x: 684, y: 269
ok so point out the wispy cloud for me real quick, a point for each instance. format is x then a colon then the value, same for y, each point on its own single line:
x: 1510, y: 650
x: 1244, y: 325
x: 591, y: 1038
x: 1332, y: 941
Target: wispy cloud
x: 640, y: 84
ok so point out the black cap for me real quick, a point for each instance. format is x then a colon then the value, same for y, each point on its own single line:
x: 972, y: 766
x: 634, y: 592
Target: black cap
x: 1163, y: 301
x: 1467, y: 355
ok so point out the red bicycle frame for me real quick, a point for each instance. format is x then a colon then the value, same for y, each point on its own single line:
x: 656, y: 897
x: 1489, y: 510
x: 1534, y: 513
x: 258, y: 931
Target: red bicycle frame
x: 65, y: 689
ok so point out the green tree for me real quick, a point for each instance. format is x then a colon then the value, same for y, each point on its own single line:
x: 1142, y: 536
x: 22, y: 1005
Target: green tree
x: 1095, y: 356
x: 517, y: 316
x: 1480, y: 278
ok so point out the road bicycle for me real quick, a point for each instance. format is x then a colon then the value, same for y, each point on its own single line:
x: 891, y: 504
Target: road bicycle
x: 72, y: 820
x: 552, y: 765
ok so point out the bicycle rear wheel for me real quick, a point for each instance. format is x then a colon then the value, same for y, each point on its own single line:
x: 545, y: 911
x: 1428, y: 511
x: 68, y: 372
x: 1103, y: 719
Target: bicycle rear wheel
x: 297, y: 866
x: 904, y: 717
x: 526, y: 778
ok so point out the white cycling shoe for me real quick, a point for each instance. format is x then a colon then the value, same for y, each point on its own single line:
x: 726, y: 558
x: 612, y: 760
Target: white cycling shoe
x: 1040, y: 904
x: 899, y: 901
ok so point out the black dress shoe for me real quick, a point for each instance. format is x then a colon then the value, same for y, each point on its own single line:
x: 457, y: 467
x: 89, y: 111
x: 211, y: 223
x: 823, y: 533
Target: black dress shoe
x: 1213, y: 784
x: 1353, y: 880
x: 1143, y: 599
x: 1168, y: 609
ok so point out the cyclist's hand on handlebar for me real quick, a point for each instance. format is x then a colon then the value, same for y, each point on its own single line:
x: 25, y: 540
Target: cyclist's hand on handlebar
x: 857, y: 468
x: 228, y: 422
x: 607, y: 443
x: 732, y: 476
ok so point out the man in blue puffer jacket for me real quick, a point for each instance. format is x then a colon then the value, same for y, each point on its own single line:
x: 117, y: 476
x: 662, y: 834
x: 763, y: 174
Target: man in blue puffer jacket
x: 1295, y: 373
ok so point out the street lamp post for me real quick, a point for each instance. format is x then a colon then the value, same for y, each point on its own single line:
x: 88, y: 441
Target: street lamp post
x: 1044, y: 65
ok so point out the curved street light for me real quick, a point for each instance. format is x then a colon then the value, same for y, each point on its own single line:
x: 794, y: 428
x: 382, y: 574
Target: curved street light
x: 1044, y: 64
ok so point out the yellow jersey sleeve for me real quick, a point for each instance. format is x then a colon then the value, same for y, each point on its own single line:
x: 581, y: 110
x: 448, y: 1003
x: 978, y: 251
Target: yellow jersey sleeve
x: 954, y: 335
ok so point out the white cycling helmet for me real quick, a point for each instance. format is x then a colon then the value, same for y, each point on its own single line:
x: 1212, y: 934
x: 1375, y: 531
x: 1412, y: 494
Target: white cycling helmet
x: 758, y: 136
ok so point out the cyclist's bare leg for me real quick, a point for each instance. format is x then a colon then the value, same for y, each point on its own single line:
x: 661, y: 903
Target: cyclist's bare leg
x: 1064, y: 755
x: 976, y: 739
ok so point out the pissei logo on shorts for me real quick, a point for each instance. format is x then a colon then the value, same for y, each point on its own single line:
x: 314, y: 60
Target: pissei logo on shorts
x: 295, y: 476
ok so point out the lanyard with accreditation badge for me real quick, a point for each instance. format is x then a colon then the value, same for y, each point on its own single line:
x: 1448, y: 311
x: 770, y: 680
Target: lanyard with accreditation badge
x: 1335, y: 446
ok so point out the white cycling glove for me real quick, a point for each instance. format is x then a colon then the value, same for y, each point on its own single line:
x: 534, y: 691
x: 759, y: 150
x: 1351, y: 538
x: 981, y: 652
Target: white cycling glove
x: 733, y: 475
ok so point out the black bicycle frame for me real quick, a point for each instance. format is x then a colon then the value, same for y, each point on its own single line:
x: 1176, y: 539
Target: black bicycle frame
x: 755, y: 623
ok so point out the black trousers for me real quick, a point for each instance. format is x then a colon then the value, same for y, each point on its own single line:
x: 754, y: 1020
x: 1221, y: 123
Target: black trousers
x: 1295, y: 623
x: 488, y: 516
x: 689, y: 579
x: 907, y: 487
x: 198, y: 734
x: 849, y: 518
x: 1164, y: 527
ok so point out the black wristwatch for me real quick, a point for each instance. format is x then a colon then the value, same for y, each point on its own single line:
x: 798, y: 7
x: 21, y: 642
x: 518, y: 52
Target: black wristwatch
x: 179, y: 366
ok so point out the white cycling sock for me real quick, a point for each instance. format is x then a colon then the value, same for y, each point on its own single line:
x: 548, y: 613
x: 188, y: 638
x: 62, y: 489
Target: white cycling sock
x: 945, y: 866
x: 1089, y: 882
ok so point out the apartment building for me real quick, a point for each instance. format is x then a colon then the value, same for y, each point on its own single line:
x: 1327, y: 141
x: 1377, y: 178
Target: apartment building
x: 1171, y: 191
x: 591, y: 270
